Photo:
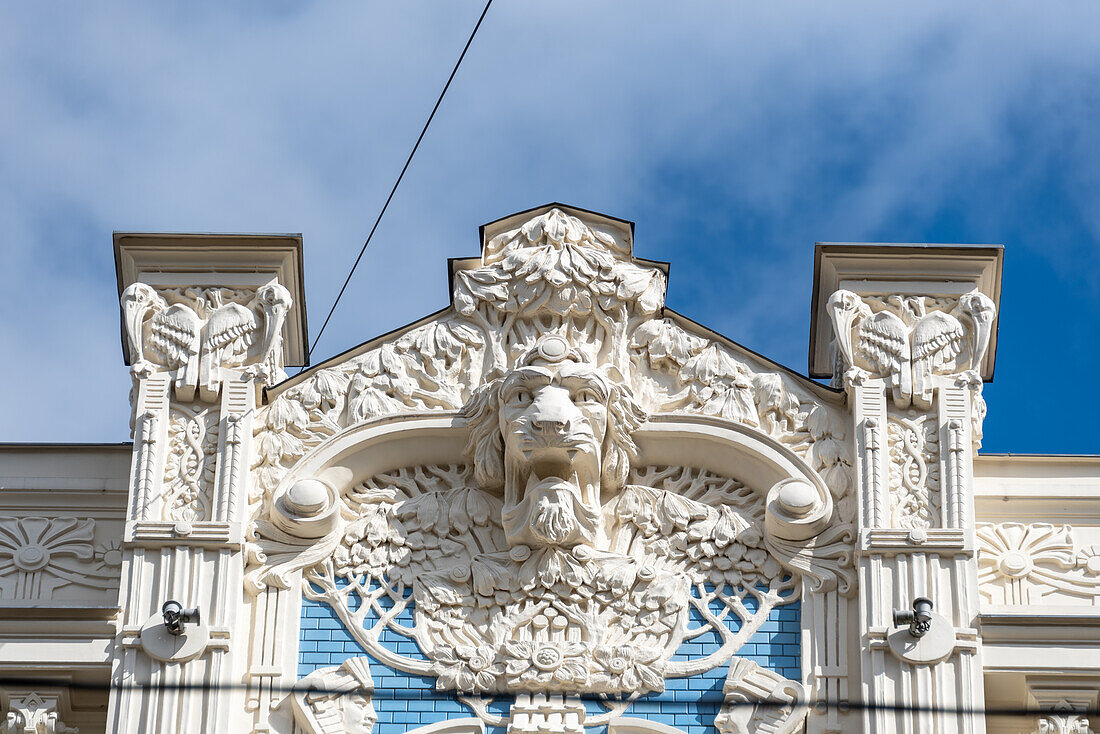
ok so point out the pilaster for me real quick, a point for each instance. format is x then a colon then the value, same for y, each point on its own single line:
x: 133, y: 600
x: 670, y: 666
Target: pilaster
x: 910, y: 331
x: 208, y: 321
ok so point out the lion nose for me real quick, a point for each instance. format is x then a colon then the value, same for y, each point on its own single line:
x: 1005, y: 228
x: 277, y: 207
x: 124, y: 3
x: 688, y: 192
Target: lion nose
x: 550, y: 425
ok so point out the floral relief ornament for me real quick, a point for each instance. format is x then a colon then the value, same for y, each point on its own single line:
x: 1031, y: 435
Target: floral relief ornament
x: 549, y: 563
x: 1024, y: 563
x: 41, y: 554
x: 522, y: 576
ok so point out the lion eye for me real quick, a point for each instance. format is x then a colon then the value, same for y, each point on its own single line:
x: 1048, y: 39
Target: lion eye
x: 521, y: 397
x: 588, y: 396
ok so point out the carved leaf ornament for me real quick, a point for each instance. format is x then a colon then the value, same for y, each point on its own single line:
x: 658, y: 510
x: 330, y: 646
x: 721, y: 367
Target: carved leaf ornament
x: 1027, y: 563
x: 41, y: 554
x: 551, y: 561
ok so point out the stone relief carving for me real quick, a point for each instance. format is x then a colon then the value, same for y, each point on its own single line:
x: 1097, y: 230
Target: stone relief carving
x: 553, y: 275
x: 523, y: 576
x: 1066, y: 722
x: 785, y: 702
x: 914, y: 470
x: 425, y: 369
x: 549, y: 564
x: 190, y: 463
x: 533, y: 713
x: 1031, y: 563
x: 907, y: 340
x: 194, y: 332
x: 335, y: 700
x: 34, y: 713
x: 41, y: 555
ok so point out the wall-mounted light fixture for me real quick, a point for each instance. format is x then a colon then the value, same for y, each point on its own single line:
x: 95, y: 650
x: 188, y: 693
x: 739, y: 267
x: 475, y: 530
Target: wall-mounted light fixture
x: 919, y: 618
x: 175, y: 616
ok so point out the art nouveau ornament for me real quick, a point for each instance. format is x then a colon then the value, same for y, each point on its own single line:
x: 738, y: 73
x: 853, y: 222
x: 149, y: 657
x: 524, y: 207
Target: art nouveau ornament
x: 544, y: 569
x: 759, y: 700
x: 335, y: 700
x: 554, y: 434
x: 907, y: 340
x: 1034, y: 563
x: 551, y: 562
x: 34, y: 713
x: 193, y: 332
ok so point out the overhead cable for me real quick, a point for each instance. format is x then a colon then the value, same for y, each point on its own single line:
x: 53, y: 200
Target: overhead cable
x: 400, y: 176
x: 409, y: 693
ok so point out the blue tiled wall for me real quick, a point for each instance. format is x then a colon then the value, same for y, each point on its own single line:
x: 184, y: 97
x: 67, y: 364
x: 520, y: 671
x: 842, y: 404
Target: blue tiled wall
x: 405, y: 701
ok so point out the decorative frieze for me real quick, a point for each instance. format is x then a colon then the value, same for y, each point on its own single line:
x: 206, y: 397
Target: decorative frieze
x: 40, y: 557
x: 1031, y: 563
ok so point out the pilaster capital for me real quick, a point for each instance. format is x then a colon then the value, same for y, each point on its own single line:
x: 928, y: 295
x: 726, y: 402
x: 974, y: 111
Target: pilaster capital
x: 193, y: 305
x: 910, y: 340
x: 35, y: 712
x: 1064, y: 702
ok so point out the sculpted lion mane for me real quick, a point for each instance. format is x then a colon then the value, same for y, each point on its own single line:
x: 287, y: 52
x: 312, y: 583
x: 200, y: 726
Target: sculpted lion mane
x: 486, y: 443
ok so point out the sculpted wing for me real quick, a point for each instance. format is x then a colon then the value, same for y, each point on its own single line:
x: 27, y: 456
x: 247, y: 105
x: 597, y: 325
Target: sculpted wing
x: 228, y: 335
x: 884, y: 343
x: 174, y: 337
x: 230, y: 332
x: 937, y: 340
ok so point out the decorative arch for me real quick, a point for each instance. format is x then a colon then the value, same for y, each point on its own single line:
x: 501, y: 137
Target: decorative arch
x: 542, y: 575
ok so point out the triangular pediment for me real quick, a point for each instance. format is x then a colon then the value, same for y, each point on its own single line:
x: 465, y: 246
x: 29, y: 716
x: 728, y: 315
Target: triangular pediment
x: 508, y: 277
x: 568, y: 276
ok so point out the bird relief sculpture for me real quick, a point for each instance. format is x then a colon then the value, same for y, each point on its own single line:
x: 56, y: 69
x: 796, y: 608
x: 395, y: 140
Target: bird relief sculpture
x: 194, y: 332
x: 907, y: 344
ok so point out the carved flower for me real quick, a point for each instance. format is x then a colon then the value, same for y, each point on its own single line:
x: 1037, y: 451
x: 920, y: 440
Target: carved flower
x: 541, y: 663
x: 549, y: 566
x: 286, y: 413
x: 373, y: 545
x: 778, y: 406
x: 630, y: 668
x: 1016, y: 550
x: 1089, y: 559
x: 35, y: 543
x: 466, y: 667
x: 471, y: 507
x: 828, y: 451
x: 109, y: 553
x: 381, y: 386
x: 654, y: 511
x: 440, y: 344
x: 325, y: 392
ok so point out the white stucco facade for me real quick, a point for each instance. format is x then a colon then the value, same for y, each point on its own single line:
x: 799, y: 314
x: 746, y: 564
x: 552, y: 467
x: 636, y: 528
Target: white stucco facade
x: 554, y: 506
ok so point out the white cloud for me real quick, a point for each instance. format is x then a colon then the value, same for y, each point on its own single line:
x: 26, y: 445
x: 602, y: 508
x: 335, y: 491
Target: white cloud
x: 735, y: 134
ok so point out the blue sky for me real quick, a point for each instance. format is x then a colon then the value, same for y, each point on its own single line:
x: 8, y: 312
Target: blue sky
x: 734, y: 134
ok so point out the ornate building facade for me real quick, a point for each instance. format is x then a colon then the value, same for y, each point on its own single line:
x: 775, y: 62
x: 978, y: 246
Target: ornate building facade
x: 554, y: 506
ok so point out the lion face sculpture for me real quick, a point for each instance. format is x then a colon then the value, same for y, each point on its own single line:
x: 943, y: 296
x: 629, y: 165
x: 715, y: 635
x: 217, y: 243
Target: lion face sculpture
x: 554, y: 435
